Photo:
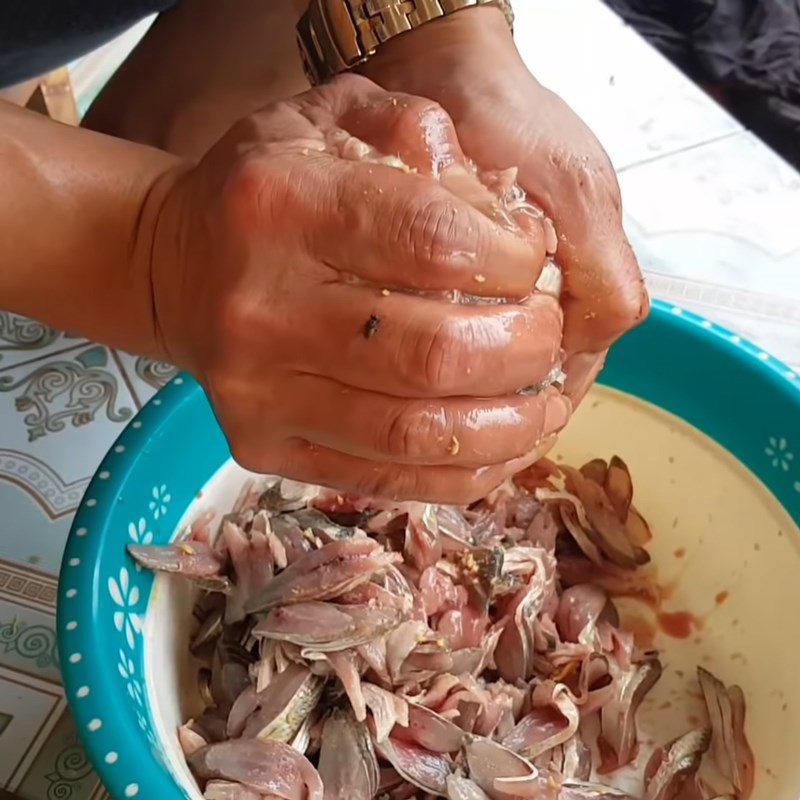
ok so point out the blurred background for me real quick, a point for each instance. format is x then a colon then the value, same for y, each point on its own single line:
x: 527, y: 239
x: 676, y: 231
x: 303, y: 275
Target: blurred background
x: 745, y: 53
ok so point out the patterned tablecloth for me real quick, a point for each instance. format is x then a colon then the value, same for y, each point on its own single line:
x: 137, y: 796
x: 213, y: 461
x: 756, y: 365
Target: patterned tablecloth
x: 708, y: 209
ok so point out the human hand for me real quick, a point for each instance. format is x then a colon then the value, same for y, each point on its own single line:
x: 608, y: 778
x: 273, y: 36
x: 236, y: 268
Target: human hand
x: 269, y: 263
x: 505, y: 118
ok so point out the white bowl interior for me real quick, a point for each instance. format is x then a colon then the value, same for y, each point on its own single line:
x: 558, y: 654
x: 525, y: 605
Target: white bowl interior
x: 726, y: 549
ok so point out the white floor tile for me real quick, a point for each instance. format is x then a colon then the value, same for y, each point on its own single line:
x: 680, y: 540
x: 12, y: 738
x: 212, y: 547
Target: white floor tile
x: 724, y: 214
x: 639, y: 105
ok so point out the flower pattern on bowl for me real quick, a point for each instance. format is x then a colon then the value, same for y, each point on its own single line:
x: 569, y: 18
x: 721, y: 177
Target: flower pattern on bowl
x: 161, y: 499
x: 138, y: 533
x: 778, y: 451
x: 127, y: 589
x: 127, y: 669
x: 126, y: 596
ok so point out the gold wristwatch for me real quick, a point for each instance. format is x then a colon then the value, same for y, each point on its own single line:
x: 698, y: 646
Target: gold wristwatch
x: 337, y: 35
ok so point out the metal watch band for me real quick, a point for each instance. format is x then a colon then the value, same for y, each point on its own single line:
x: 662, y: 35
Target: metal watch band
x: 337, y: 35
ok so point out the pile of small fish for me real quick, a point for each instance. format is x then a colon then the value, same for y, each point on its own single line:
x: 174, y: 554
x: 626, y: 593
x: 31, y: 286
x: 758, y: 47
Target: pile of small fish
x: 359, y: 648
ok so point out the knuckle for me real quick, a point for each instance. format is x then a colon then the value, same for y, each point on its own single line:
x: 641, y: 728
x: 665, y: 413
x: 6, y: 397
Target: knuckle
x: 260, y: 190
x: 436, y: 233
x: 411, y: 483
x: 607, y: 181
x: 235, y: 322
x: 244, y: 190
x: 442, y: 356
x: 628, y: 302
x: 586, y: 167
x: 457, y: 486
x: 257, y: 453
x: 411, y: 433
x: 612, y: 187
x: 249, y: 128
x: 416, y: 116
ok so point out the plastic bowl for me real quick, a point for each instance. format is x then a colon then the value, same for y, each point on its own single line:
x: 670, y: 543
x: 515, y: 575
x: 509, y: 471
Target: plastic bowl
x: 710, y: 427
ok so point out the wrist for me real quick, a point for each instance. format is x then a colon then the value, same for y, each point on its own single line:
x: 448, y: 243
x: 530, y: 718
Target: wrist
x: 72, y: 211
x: 155, y: 265
x: 196, y: 100
x: 453, y: 41
x: 451, y: 60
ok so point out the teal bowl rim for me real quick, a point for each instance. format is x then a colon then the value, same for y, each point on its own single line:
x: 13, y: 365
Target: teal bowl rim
x: 80, y: 579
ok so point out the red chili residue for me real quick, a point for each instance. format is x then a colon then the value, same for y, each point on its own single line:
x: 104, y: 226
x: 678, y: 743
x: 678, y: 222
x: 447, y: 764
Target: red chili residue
x: 722, y: 597
x: 649, y: 596
x: 680, y: 552
x: 666, y: 590
x: 678, y: 624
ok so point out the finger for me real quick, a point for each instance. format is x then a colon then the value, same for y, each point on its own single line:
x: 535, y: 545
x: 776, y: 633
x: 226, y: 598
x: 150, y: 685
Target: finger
x: 463, y: 431
x: 582, y: 370
x: 310, y: 114
x: 604, y: 291
x: 410, y: 346
x: 421, y: 133
x: 373, y: 220
x: 327, y: 104
x: 382, y: 225
x: 568, y: 174
x: 416, y: 129
x: 310, y: 463
x: 396, y: 229
x: 440, y: 243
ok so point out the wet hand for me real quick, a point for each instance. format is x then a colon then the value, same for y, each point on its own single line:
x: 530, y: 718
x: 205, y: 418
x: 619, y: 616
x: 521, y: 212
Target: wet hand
x: 287, y: 276
x: 505, y: 118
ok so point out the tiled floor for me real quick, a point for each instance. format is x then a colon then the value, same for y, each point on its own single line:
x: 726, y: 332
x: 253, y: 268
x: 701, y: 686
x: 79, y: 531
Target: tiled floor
x: 719, y: 212
x: 708, y: 209
x: 636, y: 102
x: 713, y: 229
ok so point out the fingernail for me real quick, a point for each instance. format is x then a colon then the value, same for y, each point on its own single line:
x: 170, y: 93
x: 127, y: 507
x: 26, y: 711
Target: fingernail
x: 557, y: 412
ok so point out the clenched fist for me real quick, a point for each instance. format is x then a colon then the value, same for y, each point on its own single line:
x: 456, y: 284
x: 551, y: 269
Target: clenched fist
x: 308, y: 286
